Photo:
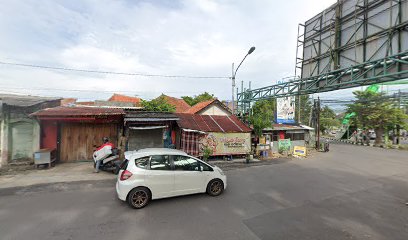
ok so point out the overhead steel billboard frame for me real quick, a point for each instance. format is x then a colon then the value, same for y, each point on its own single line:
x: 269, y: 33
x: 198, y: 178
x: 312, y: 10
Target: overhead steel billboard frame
x: 352, y: 43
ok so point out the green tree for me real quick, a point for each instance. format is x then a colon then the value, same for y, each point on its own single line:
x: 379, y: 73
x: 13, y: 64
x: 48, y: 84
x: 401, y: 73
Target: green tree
x: 262, y: 115
x: 305, y: 109
x: 328, y: 119
x: 375, y: 111
x: 158, y: 105
x: 198, y: 98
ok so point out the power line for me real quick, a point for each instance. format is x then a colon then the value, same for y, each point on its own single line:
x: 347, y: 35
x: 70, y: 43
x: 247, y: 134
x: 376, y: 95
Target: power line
x: 110, y: 72
x: 96, y: 91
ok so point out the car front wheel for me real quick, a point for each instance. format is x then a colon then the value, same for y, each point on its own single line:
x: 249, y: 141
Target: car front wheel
x: 139, y: 197
x: 215, y: 187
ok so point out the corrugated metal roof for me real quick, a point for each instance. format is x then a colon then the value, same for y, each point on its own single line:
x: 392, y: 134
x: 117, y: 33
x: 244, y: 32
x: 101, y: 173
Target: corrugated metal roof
x: 207, y: 123
x: 141, y: 116
x: 280, y: 127
x: 64, y: 111
x: 24, y: 100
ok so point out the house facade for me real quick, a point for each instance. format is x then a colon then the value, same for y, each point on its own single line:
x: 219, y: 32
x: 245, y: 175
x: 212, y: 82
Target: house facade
x: 210, y: 107
x: 149, y: 130
x: 19, y: 133
x: 75, y: 131
x: 224, y: 135
x: 299, y: 135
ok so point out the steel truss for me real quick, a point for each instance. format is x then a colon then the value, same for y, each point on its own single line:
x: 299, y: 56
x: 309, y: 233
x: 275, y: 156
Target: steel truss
x: 342, y: 47
x: 387, y: 69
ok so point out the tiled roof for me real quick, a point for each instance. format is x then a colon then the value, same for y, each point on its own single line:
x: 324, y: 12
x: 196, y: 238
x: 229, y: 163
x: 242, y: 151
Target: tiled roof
x: 68, y: 101
x: 90, y: 103
x: 77, y: 111
x: 207, y: 123
x: 123, y: 98
x: 199, y: 106
x: 180, y: 104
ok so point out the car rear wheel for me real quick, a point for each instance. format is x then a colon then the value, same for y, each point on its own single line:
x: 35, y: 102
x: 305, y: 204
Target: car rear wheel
x: 215, y: 187
x: 139, y: 197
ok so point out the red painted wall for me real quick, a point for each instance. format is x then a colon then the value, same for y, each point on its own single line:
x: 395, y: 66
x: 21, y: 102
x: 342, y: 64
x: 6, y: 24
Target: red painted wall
x: 281, y: 135
x: 48, y: 134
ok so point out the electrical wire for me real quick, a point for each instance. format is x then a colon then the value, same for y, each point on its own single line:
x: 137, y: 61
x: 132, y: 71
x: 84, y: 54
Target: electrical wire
x: 90, y: 91
x: 110, y: 72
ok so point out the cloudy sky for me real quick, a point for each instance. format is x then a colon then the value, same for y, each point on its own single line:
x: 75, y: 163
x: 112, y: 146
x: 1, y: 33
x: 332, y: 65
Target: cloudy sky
x: 165, y: 37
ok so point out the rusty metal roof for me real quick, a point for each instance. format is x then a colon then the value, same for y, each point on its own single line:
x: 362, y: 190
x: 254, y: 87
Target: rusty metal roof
x: 145, y: 116
x: 283, y: 127
x: 24, y: 100
x: 65, y: 111
x: 209, y: 123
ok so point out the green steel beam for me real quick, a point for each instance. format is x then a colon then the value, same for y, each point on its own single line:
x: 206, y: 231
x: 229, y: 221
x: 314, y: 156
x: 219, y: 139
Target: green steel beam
x: 372, y: 72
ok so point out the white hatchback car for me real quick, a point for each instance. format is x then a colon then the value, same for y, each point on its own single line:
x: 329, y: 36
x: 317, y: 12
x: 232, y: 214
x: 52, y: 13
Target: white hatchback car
x: 154, y: 173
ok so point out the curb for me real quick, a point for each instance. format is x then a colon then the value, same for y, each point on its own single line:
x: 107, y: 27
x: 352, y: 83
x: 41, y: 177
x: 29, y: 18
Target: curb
x: 347, y: 142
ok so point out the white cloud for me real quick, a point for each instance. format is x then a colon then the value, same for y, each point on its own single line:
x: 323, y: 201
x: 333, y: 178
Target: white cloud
x: 200, y: 37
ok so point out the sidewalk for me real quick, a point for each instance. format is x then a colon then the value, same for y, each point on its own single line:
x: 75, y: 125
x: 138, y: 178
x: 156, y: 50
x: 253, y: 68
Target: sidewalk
x: 83, y: 171
x: 64, y: 172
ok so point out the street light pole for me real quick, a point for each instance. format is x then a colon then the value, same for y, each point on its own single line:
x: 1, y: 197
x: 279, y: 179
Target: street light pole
x: 233, y: 87
x: 234, y: 73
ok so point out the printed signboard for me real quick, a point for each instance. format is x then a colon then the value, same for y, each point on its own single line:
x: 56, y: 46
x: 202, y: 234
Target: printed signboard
x: 285, y: 110
x: 299, y: 151
x: 226, y: 143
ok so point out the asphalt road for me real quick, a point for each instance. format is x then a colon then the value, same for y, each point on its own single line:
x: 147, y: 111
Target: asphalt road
x: 351, y: 192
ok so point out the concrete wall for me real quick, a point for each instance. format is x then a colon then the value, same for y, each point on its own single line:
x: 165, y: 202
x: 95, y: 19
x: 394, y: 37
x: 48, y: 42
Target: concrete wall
x: 275, y: 147
x: 18, y: 127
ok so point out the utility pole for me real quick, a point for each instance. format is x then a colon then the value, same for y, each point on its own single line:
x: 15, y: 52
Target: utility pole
x: 318, y: 123
x: 233, y: 87
x: 299, y: 109
x: 398, y: 126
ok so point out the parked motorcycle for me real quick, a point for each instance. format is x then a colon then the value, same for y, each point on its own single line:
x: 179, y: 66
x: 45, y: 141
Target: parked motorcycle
x: 110, y: 159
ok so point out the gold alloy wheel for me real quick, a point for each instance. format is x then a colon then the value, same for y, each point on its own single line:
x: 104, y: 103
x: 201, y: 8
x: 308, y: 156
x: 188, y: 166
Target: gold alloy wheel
x: 140, y: 198
x: 215, y: 187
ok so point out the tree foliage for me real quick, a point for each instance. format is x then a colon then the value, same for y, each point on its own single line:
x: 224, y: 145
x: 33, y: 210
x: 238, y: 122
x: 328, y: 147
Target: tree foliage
x: 305, y: 109
x: 198, y: 98
x: 374, y: 110
x: 262, y: 115
x: 158, y: 105
x: 328, y: 119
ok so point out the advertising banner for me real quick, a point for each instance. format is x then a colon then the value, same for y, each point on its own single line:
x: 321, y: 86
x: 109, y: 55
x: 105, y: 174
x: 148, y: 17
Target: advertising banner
x: 285, y: 110
x: 299, y: 151
x: 284, y: 144
x: 226, y: 143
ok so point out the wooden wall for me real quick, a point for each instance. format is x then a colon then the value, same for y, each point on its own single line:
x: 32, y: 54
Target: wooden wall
x: 78, y: 139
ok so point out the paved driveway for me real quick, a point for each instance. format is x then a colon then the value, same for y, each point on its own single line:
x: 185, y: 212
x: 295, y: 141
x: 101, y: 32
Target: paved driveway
x: 352, y: 192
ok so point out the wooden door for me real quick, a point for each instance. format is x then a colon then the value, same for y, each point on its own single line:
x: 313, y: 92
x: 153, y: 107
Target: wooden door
x: 78, y: 139
x: 49, y: 132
